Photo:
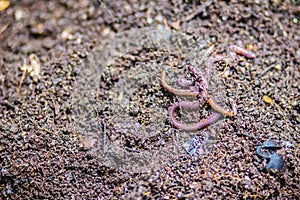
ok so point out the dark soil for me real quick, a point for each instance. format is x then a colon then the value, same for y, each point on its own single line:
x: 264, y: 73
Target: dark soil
x: 78, y: 77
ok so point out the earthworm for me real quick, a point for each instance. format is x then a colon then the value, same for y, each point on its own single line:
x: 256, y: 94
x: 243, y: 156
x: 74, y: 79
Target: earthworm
x: 200, y: 89
x: 242, y: 51
x: 176, y: 91
x: 222, y: 110
x: 201, y: 83
x: 199, y: 78
x: 207, y: 53
x: 193, y: 105
x: 196, y: 73
x: 217, y: 58
x: 191, y: 127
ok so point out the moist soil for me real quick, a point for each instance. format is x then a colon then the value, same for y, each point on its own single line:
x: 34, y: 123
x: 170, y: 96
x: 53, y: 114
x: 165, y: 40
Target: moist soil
x: 62, y: 59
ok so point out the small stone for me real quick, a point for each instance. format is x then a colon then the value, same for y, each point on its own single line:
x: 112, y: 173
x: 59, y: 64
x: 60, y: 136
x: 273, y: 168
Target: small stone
x: 250, y: 47
x: 224, y: 18
x: 159, y: 18
x: 37, y: 28
x: 106, y: 31
x: 78, y: 40
x: 278, y: 67
x: 19, y: 14
x: 179, y: 195
x: 4, y: 4
x: 295, y: 20
x: 67, y: 33
x: 267, y: 13
x: 267, y: 99
x: 276, y: 162
x: 149, y: 20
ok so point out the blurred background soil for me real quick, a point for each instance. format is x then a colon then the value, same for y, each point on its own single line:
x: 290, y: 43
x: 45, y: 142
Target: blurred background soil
x: 42, y: 47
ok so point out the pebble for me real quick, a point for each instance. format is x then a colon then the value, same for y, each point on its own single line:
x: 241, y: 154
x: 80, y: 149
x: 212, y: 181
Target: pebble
x: 159, y: 18
x: 149, y: 20
x: 4, y: 4
x: 276, y: 162
x: 19, y: 14
x: 267, y: 99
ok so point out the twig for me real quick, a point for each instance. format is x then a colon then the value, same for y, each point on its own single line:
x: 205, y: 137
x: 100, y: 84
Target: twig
x: 104, y: 6
x: 198, y: 11
x: 22, y: 80
x: 3, y: 28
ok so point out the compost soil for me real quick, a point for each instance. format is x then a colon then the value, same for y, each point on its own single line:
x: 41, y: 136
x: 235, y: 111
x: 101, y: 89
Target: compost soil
x: 81, y: 93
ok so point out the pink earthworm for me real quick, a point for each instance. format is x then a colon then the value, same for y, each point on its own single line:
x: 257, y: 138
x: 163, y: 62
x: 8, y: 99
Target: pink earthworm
x: 231, y: 60
x: 201, y: 83
x: 242, y: 51
x: 200, y: 89
x: 179, y: 92
x: 195, y: 126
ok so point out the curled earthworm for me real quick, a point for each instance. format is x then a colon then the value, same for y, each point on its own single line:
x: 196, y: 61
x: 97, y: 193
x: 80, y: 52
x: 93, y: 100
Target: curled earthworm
x: 195, y: 126
x: 179, y: 92
x: 200, y: 89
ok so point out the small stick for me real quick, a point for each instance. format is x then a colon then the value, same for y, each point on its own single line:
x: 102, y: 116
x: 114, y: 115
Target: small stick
x: 103, y: 5
x: 21, y: 81
x: 174, y: 90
